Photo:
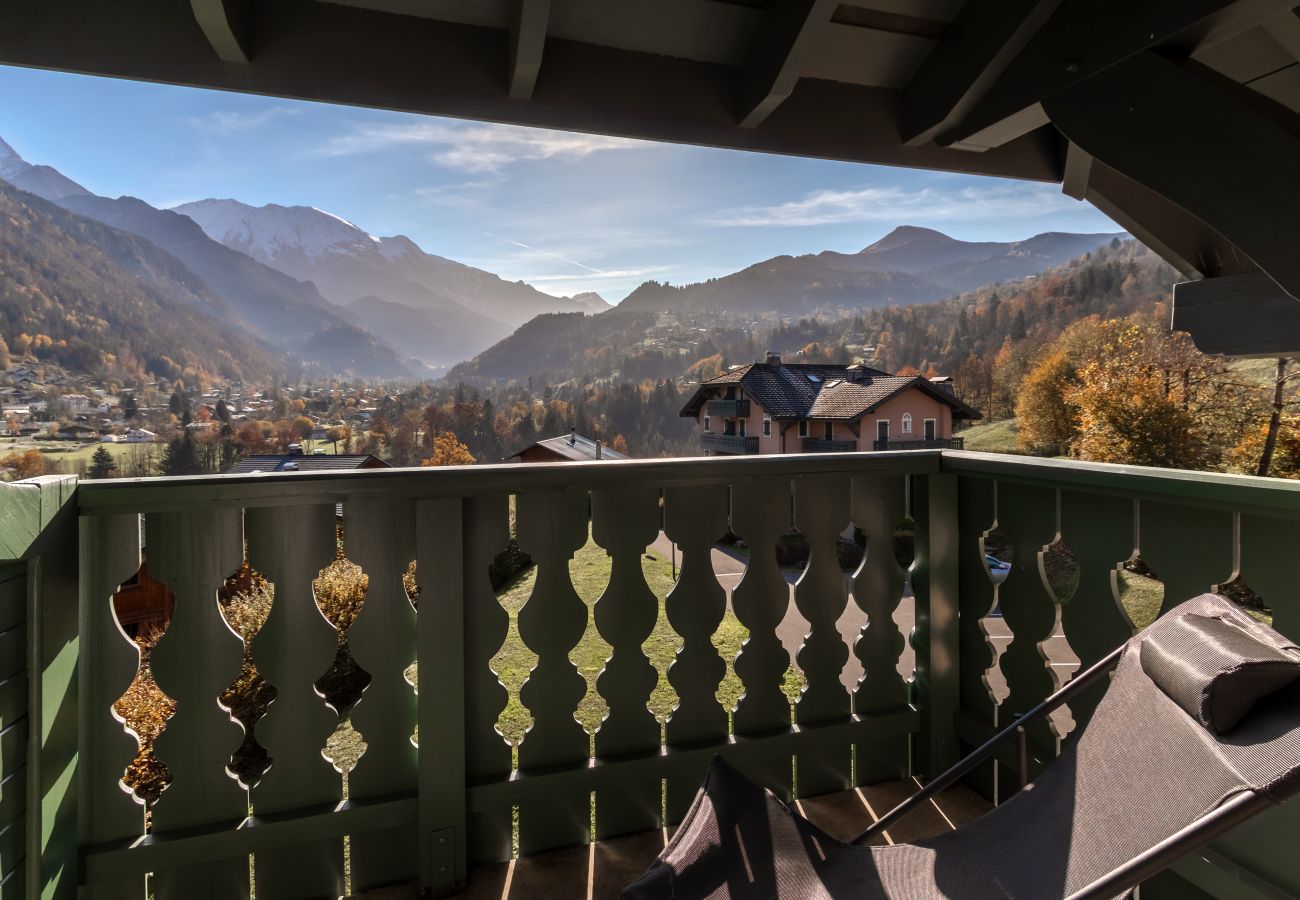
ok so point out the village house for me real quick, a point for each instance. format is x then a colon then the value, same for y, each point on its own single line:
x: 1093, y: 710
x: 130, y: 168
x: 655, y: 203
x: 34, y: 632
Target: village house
x: 73, y: 403
x: 571, y: 447
x: 297, y: 461
x: 778, y: 407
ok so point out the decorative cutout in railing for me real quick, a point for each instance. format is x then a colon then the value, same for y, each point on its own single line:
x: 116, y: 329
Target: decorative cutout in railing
x: 411, y: 674
x: 143, y: 608
x: 245, y: 600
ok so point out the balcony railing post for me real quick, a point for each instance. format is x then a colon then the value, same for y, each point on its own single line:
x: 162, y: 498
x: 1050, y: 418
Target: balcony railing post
x: 440, y: 640
x: 934, y: 585
x: 38, y: 623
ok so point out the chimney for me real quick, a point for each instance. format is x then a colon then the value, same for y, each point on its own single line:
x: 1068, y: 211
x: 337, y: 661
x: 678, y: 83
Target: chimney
x: 597, y: 449
x: 773, y: 358
x: 573, y: 436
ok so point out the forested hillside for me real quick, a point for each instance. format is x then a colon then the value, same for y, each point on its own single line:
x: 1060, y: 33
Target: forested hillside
x: 560, y: 346
x: 102, y: 302
x: 962, y: 334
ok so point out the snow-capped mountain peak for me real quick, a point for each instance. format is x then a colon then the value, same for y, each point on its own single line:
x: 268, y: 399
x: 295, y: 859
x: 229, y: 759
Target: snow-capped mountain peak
x: 270, y: 232
x: 43, y: 181
x: 11, y: 164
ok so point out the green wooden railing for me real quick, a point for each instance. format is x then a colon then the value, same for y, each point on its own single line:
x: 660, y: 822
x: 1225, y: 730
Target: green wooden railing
x: 13, y: 730
x: 251, y: 798
x: 736, y: 444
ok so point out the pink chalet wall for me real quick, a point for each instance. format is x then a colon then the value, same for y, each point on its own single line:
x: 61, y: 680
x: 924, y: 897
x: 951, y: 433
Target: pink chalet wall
x: 921, y: 405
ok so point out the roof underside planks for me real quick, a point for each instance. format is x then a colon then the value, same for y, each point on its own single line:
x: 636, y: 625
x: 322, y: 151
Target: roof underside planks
x: 1178, y: 118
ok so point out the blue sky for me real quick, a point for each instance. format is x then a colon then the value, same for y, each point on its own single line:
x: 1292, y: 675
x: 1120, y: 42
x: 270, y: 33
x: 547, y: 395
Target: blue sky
x: 566, y: 212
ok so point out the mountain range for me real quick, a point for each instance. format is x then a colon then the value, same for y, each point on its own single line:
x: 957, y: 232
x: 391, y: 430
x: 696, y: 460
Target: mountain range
x: 340, y: 300
x: 907, y: 266
x: 449, y: 306
x: 96, y: 299
x: 319, y: 294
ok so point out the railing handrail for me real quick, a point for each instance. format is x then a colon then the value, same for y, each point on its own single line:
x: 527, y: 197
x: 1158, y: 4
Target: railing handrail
x: 1272, y: 496
x: 1243, y: 493
x: 130, y: 495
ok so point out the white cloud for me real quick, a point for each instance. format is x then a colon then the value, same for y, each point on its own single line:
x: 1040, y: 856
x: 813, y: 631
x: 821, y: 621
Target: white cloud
x: 464, y: 195
x: 896, y: 204
x: 230, y: 122
x: 602, y: 274
x: 473, y: 148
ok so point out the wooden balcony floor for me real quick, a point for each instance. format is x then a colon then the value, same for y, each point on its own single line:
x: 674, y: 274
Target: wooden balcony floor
x: 598, y: 871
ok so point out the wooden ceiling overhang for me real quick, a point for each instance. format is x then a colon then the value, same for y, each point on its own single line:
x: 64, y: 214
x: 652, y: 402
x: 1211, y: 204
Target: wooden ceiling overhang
x: 1180, y: 119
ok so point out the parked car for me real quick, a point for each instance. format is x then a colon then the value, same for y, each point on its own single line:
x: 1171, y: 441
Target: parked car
x: 998, y: 569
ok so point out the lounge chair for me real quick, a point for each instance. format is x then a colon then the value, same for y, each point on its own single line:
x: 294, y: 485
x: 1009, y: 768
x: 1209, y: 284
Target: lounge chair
x: 1198, y: 731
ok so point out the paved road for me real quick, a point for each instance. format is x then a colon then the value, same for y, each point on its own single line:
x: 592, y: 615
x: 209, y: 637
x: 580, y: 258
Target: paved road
x: 729, y: 570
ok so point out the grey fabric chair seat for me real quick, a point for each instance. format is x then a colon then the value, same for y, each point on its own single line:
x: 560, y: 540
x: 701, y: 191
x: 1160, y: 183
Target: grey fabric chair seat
x: 1142, y: 769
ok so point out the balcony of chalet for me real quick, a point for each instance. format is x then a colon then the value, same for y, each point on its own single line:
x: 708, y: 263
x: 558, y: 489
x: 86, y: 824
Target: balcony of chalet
x: 953, y: 443
x: 729, y: 444
x: 314, y: 712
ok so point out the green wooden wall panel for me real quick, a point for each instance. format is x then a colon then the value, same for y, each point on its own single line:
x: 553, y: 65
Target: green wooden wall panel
x: 13, y: 794
x: 13, y: 699
x: 13, y: 844
x: 14, y: 885
x: 13, y: 651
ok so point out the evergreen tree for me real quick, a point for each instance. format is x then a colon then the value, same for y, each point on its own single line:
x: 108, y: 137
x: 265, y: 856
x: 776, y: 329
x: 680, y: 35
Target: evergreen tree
x: 223, y: 411
x: 1019, y: 328
x: 181, y: 457
x: 102, y: 464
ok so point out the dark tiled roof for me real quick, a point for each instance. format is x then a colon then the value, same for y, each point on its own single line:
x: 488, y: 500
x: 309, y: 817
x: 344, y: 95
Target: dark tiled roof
x: 304, y: 462
x: 819, y: 391
x: 847, y: 399
x: 581, y: 449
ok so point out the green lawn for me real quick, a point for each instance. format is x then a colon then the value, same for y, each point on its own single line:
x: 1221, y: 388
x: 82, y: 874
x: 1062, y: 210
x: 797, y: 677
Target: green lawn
x: 1141, y: 597
x: 68, y: 452
x: 991, y: 437
x: 589, y: 571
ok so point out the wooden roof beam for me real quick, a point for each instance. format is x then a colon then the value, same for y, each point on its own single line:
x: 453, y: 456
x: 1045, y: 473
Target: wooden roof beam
x: 1200, y: 145
x: 527, y: 40
x: 786, y: 37
x: 973, y: 52
x: 1081, y: 39
x: 1238, y: 315
x: 228, y: 26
